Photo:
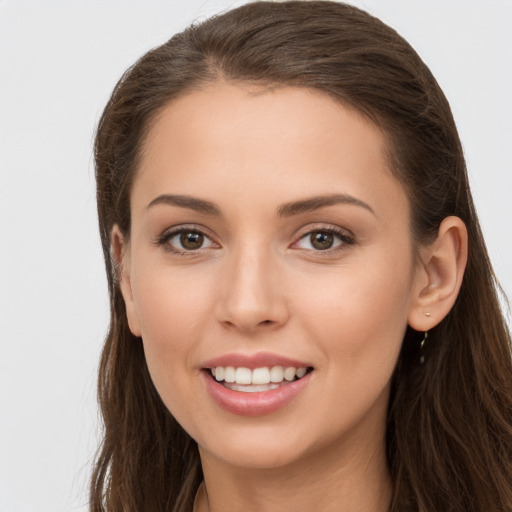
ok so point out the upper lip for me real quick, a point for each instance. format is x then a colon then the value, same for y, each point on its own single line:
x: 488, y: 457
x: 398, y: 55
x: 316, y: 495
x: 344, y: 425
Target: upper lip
x: 252, y: 361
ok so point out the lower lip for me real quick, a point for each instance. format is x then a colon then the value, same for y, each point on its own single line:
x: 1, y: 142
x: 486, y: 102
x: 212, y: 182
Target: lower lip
x: 254, y: 404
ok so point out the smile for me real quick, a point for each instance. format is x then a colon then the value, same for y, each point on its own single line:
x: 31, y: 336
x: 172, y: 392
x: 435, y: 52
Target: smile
x: 255, y: 385
x: 256, y: 380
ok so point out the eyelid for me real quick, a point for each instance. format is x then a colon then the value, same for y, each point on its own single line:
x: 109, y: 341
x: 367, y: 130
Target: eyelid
x: 347, y: 238
x: 171, y: 232
x: 344, y: 235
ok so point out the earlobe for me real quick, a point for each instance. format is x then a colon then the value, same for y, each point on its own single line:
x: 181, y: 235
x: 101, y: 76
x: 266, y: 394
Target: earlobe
x: 120, y: 250
x: 440, y: 275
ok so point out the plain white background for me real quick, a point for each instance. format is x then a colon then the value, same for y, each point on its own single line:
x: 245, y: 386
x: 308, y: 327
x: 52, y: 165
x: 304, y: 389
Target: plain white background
x: 58, y: 63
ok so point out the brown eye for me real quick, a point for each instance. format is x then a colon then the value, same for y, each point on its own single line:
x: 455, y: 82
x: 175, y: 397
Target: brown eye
x: 191, y: 240
x: 321, y: 240
x: 328, y: 240
x: 186, y: 241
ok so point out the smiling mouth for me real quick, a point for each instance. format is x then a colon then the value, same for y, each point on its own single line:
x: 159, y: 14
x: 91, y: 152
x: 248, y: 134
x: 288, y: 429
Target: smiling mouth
x: 259, y: 379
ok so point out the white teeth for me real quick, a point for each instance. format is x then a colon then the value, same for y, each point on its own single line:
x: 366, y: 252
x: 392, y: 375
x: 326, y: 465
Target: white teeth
x: 263, y: 377
x: 301, y: 372
x: 243, y: 376
x: 276, y: 374
x: 289, y: 373
x: 229, y: 374
x: 253, y: 388
x: 219, y: 373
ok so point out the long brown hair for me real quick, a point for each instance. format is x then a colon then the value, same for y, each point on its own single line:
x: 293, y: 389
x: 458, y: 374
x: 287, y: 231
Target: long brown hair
x: 449, y: 431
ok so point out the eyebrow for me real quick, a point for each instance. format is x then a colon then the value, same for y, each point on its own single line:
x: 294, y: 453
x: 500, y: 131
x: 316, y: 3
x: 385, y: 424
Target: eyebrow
x: 317, y: 202
x: 285, y: 210
x: 191, y: 203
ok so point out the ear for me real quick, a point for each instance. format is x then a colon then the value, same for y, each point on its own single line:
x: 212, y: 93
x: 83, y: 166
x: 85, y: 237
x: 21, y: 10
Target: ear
x: 439, y: 275
x: 121, y: 255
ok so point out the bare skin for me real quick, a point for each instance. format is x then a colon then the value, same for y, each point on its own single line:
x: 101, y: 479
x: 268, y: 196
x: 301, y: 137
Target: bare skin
x: 235, y: 173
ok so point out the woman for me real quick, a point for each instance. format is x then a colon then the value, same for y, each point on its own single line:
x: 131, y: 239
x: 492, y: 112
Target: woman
x: 303, y: 313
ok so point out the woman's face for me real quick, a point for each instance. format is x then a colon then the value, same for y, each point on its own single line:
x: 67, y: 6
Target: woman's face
x: 268, y: 233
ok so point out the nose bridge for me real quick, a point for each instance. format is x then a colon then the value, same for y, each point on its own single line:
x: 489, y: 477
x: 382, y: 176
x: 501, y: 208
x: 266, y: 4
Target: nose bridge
x: 252, y: 295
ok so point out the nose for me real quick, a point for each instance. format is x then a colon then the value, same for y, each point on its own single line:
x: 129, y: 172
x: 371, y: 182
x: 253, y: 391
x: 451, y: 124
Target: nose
x: 253, y: 298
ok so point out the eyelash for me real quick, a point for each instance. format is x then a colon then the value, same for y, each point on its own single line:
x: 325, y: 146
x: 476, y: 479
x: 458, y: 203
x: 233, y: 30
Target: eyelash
x: 163, y: 240
x: 342, y: 235
x: 346, y: 239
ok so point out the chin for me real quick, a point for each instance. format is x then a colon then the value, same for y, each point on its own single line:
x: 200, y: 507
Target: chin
x: 269, y: 446
x: 255, y: 455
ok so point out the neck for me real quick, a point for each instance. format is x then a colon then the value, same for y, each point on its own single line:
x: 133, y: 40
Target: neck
x: 343, y: 477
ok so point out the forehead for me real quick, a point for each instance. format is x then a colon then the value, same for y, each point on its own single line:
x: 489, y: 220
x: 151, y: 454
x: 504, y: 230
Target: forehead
x: 235, y: 137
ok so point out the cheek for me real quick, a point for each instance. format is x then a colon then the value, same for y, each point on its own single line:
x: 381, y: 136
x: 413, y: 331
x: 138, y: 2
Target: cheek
x: 170, y: 302
x: 358, y: 315
x: 358, y: 326
x: 172, y: 311
x: 358, y: 295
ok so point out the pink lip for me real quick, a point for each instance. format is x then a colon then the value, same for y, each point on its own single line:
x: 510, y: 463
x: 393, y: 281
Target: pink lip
x: 253, y: 404
x: 252, y: 361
